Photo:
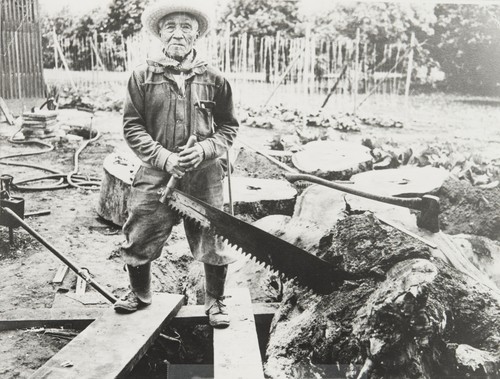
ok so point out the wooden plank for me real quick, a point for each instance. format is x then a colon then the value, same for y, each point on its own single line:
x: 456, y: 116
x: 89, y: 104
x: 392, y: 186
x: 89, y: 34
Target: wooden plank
x: 81, y: 285
x: 69, y: 318
x: 113, y: 344
x: 236, y: 348
x: 60, y: 274
x: 79, y: 318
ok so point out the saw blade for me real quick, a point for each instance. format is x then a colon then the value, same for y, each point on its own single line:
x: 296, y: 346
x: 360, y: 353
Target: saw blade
x: 287, y: 259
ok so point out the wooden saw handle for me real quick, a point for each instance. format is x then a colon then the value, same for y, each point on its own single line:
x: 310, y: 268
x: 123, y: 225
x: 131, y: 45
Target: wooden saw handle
x: 167, y: 192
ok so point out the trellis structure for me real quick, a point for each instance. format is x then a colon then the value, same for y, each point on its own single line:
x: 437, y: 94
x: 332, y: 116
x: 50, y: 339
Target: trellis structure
x: 309, y: 63
x: 21, y: 68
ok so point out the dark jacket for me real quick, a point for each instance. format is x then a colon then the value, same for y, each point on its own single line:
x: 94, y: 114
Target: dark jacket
x: 158, y: 118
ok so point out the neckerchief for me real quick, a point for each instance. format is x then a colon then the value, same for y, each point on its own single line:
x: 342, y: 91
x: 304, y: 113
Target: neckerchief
x: 190, y: 65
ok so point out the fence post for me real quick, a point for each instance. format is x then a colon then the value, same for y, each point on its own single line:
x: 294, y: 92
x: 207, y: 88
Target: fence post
x: 56, y: 63
x: 307, y: 59
x: 356, y: 70
x: 227, y: 44
x: 276, y: 57
x: 61, y: 55
x: 409, y: 70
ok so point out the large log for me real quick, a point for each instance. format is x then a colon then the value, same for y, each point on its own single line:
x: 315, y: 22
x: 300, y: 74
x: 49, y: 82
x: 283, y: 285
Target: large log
x: 332, y: 160
x: 253, y: 198
x: 425, y: 320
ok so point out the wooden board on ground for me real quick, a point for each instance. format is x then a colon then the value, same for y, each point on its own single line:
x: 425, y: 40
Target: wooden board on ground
x: 236, y: 348
x: 60, y: 274
x: 333, y: 160
x: 113, y: 344
x: 413, y: 181
x: 80, y: 318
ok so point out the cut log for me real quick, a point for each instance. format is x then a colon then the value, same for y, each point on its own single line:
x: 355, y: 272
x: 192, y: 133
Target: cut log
x: 119, y: 170
x: 252, y: 197
x: 409, y: 181
x: 333, y: 160
x: 257, y: 198
x: 418, y: 322
x: 113, y: 344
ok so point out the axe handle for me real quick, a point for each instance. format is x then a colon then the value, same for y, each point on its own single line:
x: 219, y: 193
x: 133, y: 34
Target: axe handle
x: 411, y: 203
x: 172, y: 183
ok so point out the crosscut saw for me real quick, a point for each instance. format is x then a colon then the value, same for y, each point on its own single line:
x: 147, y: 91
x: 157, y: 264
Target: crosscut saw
x: 288, y: 260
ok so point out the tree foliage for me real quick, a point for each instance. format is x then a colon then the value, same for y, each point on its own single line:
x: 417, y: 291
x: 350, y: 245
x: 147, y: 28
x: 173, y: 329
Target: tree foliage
x: 378, y: 22
x: 467, y: 46
x: 124, y: 16
x: 464, y: 40
x: 263, y: 17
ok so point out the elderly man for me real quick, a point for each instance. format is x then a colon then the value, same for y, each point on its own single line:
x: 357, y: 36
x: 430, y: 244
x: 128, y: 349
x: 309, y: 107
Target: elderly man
x: 169, y: 99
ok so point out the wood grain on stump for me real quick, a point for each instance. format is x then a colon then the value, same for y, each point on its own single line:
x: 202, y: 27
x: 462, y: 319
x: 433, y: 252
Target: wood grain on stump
x: 332, y: 160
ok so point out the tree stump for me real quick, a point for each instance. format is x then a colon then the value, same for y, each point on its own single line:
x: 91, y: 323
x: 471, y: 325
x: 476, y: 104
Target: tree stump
x: 332, y: 160
x: 253, y: 198
x: 119, y: 170
x: 424, y: 320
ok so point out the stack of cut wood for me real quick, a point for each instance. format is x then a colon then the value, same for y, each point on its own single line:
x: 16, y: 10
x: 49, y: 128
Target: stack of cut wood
x: 39, y: 124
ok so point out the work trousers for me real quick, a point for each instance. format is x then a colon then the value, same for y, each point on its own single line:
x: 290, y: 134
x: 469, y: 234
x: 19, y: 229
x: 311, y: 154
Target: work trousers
x: 150, y: 222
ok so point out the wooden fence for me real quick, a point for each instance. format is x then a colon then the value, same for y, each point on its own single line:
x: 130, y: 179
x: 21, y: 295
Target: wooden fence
x: 21, y: 68
x: 359, y: 67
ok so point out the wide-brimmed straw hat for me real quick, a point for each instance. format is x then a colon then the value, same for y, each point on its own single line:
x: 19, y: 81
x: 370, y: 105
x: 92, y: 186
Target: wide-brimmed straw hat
x: 155, y: 12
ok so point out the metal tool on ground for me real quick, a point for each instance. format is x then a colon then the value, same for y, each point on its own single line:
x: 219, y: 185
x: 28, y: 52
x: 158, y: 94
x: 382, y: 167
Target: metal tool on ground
x: 82, y: 272
x: 15, y: 204
x: 428, y: 205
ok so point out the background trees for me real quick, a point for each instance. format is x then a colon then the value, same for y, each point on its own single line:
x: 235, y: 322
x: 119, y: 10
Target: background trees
x: 467, y: 46
x: 462, y: 40
x: 262, y: 17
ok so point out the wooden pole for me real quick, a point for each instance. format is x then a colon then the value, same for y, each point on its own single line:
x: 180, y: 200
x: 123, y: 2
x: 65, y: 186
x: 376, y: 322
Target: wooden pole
x: 276, y: 57
x: 227, y: 44
x: 229, y: 187
x: 409, y: 71
x: 56, y: 43
x: 356, y: 70
x: 278, y: 83
x: 307, y: 59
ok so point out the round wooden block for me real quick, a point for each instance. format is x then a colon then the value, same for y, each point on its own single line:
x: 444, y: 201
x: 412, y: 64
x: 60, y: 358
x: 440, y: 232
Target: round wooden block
x: 415, y: 181
x: 332, y: 159
x: 119, y: 170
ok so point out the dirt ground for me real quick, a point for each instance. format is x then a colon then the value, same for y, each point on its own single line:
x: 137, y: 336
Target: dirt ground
x: 73, y: 227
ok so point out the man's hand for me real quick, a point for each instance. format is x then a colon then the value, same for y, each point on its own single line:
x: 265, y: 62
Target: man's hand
x: 173, y: 167
x: 191, y: 157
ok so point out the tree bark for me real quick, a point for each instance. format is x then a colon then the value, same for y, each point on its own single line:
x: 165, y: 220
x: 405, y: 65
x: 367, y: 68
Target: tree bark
x: 426, y: 319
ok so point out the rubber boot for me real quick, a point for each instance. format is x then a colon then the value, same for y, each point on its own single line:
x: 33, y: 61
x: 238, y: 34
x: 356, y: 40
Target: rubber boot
x: 140, y: 294
x: 215, y: 279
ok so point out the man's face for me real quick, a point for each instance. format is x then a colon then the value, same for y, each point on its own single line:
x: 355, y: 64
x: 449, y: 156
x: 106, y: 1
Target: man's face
x: 178, y: 33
